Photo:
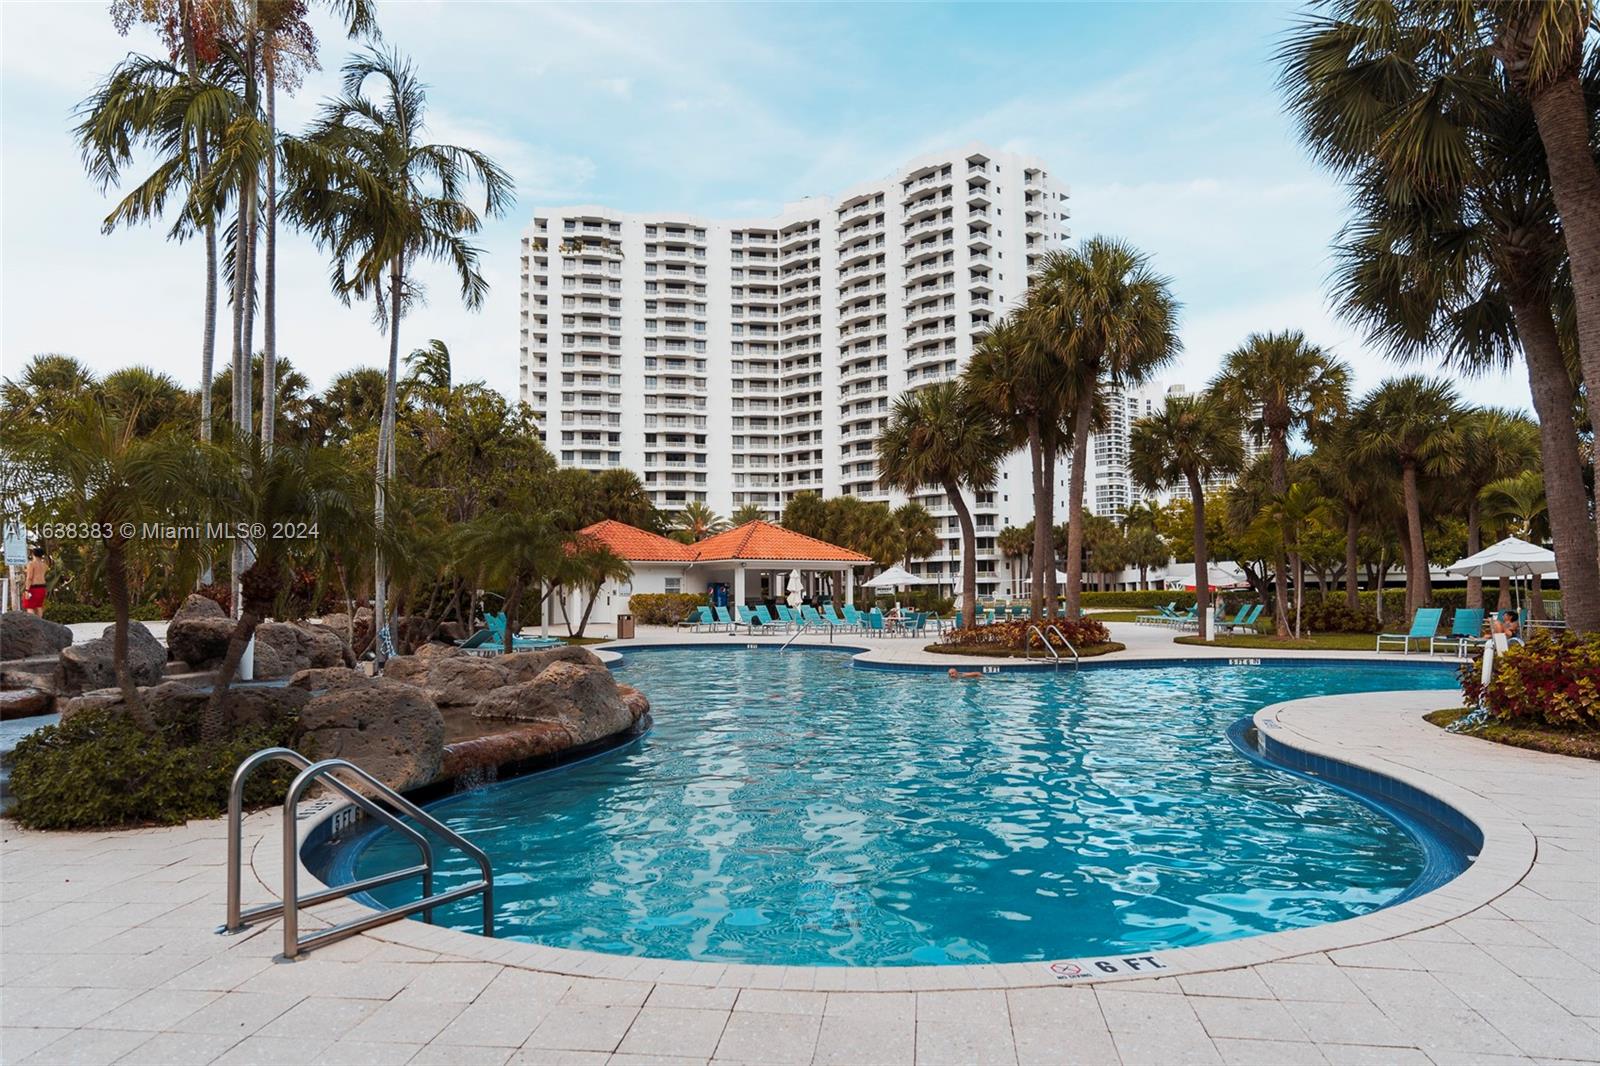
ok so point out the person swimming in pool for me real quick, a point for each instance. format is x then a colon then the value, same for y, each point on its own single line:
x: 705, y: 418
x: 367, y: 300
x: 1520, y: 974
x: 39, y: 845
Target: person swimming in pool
x: 965, y: 675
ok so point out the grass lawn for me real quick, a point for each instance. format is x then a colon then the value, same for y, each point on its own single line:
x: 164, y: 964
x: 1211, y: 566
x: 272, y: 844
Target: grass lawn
x: 1118, y: 616
x: 580, y: 641
x: 1314, y: 642
x: 1539, y: 738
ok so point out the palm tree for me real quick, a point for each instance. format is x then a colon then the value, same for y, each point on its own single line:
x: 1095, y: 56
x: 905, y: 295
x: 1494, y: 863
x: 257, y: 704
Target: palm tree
x: 352, y: 402
x: 918, y: 533
x: 1110, y: 321
x: 1360, y: 486
x: 379, y: 199
x: 748, y: 512
x: 518, y: 546
x: 696, y: 522
x: 1293, y: 513
x: 939, y: 436
x: 1013, y: 377
x: 1496, y: 444
x: 1016, y: 545
x: 1456, y: 246
x: 1283, y: 384
x: 1518, y: 506
x: 585, y: 567
x: 1144, y: 549
x: 428, y: 372
x: 1413, y: 423
x: 95, y: 468
x: 1190, y: 440
x: 276, y: 490
x: 620, y: 495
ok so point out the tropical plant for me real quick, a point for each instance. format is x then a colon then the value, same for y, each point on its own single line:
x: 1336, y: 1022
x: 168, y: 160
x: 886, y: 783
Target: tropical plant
x: 1144, y: 550
x: 745, y: 513
x: 696, y: 521
x: 1189, y: 441
x: 1413, y: 423
x: 1109, y: 321
x: 1518, y: 506
x: 938, y: 436
x: 517, y: 548
x: 378, y: 200
x: 1281, y: 384
x: 585, y: 567
x: 1015, y: 544
x: 1360, y: 487
x: 1496, y: 444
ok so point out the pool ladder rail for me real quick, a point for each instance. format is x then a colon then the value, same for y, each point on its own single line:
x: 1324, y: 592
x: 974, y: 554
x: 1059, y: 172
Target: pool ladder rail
x: 292, y: 901
x: 1034, y: 630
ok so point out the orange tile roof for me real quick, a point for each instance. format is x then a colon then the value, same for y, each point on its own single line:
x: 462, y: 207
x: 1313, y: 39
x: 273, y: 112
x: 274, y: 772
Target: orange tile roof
x: 763, y: 540
x: 638, y: 545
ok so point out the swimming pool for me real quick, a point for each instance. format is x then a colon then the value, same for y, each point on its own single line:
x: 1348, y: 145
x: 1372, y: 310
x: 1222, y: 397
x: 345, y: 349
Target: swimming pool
x: 795, y: 808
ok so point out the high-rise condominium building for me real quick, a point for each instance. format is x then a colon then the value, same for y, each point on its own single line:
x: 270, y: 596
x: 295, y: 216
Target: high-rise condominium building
x: 739, y: 362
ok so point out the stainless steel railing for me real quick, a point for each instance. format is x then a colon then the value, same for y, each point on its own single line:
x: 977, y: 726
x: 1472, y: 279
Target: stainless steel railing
x: 1034, y: 630
x: 292, y: 902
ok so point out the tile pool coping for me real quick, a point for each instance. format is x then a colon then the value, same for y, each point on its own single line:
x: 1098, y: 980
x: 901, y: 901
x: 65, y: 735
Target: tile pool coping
x: 1508, y: 852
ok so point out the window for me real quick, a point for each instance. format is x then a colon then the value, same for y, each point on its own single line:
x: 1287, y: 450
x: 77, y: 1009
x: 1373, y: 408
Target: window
x: 674, y: 585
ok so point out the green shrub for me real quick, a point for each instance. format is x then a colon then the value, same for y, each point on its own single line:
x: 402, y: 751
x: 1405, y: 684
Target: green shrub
x: 1335, y: 616
x: 1137, y: 598
x: 99, y: 769
x: 917, y: 599
x: 70, y: 613
x: 1554, y: 680
x: 664, y: 608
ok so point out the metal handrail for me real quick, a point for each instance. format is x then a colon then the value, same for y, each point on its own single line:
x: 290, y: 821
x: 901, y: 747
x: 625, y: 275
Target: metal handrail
x: 801, y: 628
x: 1028, y: 647
x: 1053, y: 628
x: 292, y: 901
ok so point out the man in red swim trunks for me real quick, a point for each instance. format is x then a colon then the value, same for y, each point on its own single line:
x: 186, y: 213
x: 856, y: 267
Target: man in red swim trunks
x: 33, y: 581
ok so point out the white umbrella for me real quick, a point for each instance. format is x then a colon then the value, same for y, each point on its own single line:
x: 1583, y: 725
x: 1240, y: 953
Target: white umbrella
x: 1510, y: 558
x: 894, y: 576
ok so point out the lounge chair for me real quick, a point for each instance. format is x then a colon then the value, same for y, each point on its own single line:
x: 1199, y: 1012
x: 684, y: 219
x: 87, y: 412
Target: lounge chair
x: 787, y: 617
x: 854, y: 617
x: 875, y: 622
x: 1237, y: 620
x: 810, y: 617
x: 482, y: 642
x: 915, y: 624
x: 1424, y: 626
x: 1246, y: 619
x: 831, y: 616
x: 1184, y: 621
x: 700, y: 618
x: 1466, y: 631
x: 725, y: 620
x: 1162, y: 616
x: 748, y: 619
x: 764, y: 616
x: 497, y: 630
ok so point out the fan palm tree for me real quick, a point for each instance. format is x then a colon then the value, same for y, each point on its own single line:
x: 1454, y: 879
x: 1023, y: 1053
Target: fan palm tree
x: 1013, y: 377
x: 696, y: 522
x: 1496, y: 444
x: 748, y: 512
x: 1413, y: 423
x: 1109, y: 321
x: 620, y: 495
x: 918, y: 533
x: 291, y: 405
x: 379, y: 200
x: 1016, y: 545
x: 1188, y: 441
x: 1456, y: 244
x: 352, y: 402
x: 939, y: 436
x: 1360, y: 487
x: 1282, y: 384
x: 1518, y: 507
x: 1144, y: 549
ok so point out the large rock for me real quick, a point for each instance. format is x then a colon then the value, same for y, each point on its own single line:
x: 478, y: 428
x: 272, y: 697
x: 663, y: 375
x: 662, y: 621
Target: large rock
x: 391, y: 730
x: 88, y: 666
x: 176, y: 706
x: 323, y: 679
x: 24, y: 636
x: 357, y: 631
x: 526, y: 665
x: 198, y: 633
x: 24, y: 703
x: 283, y: 649
x: 583, y: 700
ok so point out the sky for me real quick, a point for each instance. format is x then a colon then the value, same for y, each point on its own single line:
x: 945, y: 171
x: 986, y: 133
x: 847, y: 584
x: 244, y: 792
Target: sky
x: 1163, y: 120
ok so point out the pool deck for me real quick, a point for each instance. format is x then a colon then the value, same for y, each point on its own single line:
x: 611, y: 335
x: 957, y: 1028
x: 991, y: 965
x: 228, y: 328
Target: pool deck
x: 109, y: 954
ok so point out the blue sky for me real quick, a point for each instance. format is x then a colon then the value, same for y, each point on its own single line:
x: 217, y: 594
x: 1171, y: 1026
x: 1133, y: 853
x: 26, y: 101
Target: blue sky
x: 1162, y: 118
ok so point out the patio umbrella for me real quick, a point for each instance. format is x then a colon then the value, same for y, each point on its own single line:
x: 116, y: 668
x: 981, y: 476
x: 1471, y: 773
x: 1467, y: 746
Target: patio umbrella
x: 1513, y: 557
x: 894, y: 576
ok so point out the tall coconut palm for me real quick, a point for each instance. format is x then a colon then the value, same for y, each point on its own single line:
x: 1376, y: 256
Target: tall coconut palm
x: 939, y: 436
x: 1188, y: 441
x: 1456, y: 246
x: 1281, y: 384
x: 1496, y: 444
x: 379, y: 199
x: 1016, y: 544
x: 1013, y: 377
x: 1110, y: 322
x: 1413, y: 423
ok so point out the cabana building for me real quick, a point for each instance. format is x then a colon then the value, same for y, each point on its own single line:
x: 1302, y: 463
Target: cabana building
x: 750, y: 564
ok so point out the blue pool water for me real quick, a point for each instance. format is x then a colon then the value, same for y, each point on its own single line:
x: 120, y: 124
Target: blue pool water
x: 792, y: 808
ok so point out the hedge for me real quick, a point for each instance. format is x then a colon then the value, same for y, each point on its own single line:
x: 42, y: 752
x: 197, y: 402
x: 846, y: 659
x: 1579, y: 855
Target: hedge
x: 664, y: 608
x: 1554, y: 681
x: 1013, y: 636
x: 68, y: 613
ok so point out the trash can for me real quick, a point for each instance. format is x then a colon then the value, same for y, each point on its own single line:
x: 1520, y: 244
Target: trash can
x: 624, y: 627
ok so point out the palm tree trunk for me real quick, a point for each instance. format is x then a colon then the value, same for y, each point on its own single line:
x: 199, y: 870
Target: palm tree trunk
x: 1474, y: 545
x: 1052, y: 587
x: 269, y: 316
x: 1416, y: 551
x: 117, y: 588
x: 1535, y: 599
x: 513, y: 602
x: 212, y: 722
x: 969, y: 552
x: 1202, y: 586
x: 1504, y: 602
x: 1352, y: 560
x: 1562, y: 116
x: 1075, y: 484
x: 1571, y: 530
x: 386, y: 434
x: 1280, y: 562
x: 1041, y: 520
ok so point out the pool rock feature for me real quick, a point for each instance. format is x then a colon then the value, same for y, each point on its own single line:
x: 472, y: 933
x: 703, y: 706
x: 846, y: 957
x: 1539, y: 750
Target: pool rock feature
x: 177, y: 704
x: 25, y: 636
x: 388, y: 728
x: 89, y: 666
x: 284, y: 649
x: 537, y: 703
x: 198, y: 633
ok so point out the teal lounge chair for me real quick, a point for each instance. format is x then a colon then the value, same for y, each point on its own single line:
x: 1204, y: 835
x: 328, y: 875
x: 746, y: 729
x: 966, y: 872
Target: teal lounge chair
x: 1466, y: 631
x: 915, y: 624
x: 1424, y: 626
x: 831, y: 616
x: 1183, y: 621
x: 810, y: 617
x: 1162, y: 616
x: 787, y: 617
x: 764, y: 616
x: 1237, y: 620
x: 748, y: 619
x: 875, y: 622
x: 700, y: 617
x: 725, y: 620
x: 1247, y: 622
x: 854, y: 617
